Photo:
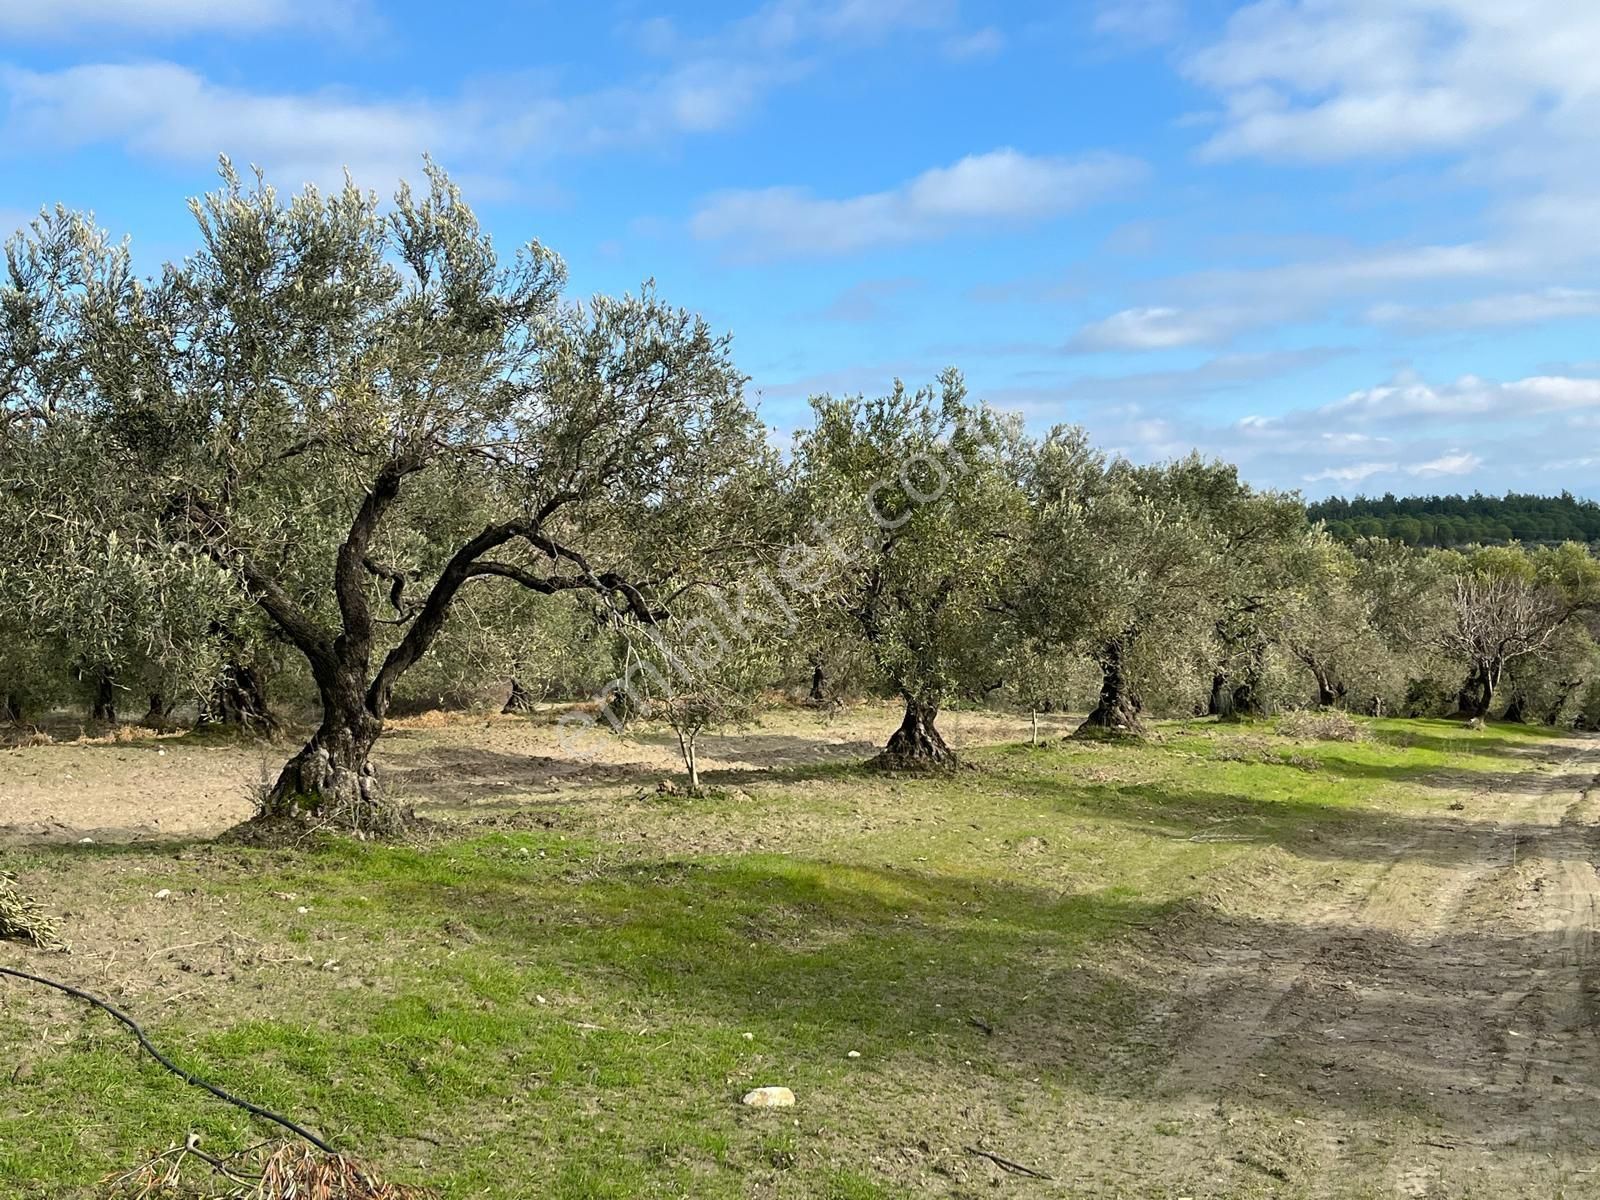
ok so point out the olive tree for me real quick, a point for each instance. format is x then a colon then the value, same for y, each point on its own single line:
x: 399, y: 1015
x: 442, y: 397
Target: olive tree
x: 1115, y: 558
x: 291, y: 387
x: 917, y: 495
x: 1324, y: 621
x: 1254, y: 535
x: 121, y: 608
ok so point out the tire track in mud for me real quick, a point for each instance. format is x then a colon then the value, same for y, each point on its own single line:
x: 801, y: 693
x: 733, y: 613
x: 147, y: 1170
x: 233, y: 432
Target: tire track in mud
x: 1437, y: 1013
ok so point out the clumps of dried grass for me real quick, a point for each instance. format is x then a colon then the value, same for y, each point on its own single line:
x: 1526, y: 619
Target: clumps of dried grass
x: 27, y: 737
x: 117, y: 735
x: 23, y: 919
x: 296, y: 1171
x: 1326, y: 726
x: 433, y: 718
x: 271, y: 1171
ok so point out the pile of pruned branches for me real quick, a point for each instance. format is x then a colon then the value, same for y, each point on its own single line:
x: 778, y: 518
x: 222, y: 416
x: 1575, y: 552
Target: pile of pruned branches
x: 270, y: 1171
x: 22, y: 918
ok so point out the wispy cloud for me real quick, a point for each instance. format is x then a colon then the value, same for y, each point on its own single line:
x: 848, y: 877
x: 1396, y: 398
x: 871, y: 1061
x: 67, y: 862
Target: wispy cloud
x: 171, y: 112
x: 1353, y: 473
x: 162, y: 19
x: 1003, y: 186
x: 1141, y: 22
x: 1208, y: 379
x: 1456, y: 462
x: 1521, y: 308
x: 1210, y: 307
x: 167, y: 112
x: 1135, y: 329
x: 1468, y: 398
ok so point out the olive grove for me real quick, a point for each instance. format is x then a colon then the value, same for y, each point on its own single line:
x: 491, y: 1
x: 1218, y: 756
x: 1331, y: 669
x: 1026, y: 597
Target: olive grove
x: 350, y: 454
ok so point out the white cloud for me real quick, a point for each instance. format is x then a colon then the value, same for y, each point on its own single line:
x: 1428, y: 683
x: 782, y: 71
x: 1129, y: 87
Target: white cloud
x: 1000, y: 186
x: 1156, y: 329
x: 1523, y: 308
x: 168, y: 112
x: 1212, y: 306
x: 1354, y: 473
x: 1468, y: 397
x: 1140, y: 22
x: 1538, y: 433
x: 1456, y: 462
x: 1209, y: 379
x: 168, y: 18
x: 1322, y: 80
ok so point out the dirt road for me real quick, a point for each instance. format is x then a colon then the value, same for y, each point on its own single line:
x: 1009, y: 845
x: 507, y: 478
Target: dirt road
x: 1428, y: 1030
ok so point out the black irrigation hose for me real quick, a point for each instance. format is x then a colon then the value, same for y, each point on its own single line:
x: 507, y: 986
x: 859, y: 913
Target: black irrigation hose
x: 254, y: 1109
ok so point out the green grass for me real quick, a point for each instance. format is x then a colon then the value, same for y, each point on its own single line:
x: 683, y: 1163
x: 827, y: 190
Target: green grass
x: 575, y: 1013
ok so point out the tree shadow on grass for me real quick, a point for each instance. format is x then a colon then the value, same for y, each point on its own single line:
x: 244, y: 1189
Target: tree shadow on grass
x: 1449, y: 737
x: 808, y: 954
x: 1310, y: 829
x: 814, y: 958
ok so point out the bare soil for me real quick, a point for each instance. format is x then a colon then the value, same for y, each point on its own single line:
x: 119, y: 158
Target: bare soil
x: 144, y: 786
x: 1428, y: 1029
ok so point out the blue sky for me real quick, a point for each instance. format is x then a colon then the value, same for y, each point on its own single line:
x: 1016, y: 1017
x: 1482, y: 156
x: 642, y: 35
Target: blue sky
x: 1350, y: 244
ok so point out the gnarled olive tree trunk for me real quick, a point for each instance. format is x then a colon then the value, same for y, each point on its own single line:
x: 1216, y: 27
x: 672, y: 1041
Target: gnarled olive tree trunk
x: 240, y: 699
x: 1517, y: 709
x: 1477, y: 693
x: 330, y: 778
x: 104, y: 705
x: 1244, y: 695
x: 520, y: 700
x: 917, y: 743
x: 1564, y: 692
x: 1118, y: 708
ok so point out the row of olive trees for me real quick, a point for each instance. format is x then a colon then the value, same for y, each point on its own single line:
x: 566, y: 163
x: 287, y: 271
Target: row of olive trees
x: 358, y: 439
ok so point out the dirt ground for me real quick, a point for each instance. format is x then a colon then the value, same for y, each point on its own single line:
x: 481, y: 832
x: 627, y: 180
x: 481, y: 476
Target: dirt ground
x: 161, y: 788
x: 1428, y: 1029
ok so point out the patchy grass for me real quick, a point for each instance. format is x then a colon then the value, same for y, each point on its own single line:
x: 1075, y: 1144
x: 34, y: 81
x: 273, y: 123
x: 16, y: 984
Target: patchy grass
x: 572, y: 1003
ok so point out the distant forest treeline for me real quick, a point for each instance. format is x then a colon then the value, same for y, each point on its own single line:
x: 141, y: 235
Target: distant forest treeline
x: 1461, y: 520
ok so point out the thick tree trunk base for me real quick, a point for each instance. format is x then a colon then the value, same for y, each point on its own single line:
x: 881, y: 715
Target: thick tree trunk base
x: 1117, y: 713
x: 155, y: 716
x: 1220, y: 703
x: 917, y: 744
x: 239, y: 700
x: 521, y: 699
x: 1112, y: 718
x: 339, y: 790
x: 104, y: 705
